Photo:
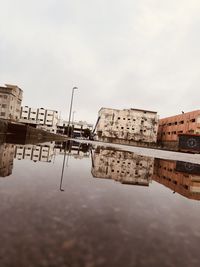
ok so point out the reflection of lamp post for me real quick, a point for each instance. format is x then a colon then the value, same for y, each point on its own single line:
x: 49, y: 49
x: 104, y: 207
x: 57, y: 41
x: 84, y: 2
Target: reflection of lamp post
x: 70, y: 110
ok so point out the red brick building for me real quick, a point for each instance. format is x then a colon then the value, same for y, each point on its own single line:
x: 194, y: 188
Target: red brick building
x: 171, y: 127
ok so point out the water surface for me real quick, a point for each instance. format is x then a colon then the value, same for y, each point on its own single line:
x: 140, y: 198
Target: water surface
x: 106, y: 207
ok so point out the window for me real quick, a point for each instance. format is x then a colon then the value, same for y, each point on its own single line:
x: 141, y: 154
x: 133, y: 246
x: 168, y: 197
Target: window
x: 4, y: 105
x: 122, y: 127
x: 3, y: 114
x: 5, y: 96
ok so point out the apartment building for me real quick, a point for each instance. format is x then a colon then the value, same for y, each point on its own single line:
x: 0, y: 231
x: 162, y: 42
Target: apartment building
x: 121, y: 166
x: 78, y: 127
x: 45, y: 119
x: 43, y: 153
x: 171, y: 127
x: 6, y: 159
x: 181, y: 177
x: 10, y: 102
x: 127, y: 125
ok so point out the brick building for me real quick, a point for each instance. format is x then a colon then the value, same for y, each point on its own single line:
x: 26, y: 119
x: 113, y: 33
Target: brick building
x: 185, y: 123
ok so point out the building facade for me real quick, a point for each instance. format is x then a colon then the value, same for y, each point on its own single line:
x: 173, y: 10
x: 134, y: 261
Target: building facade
x: 45, y: 119
x: 127, y: 125
x: 171, y: 127
x: 7, y: 152
x: 10, y: 102
x: 78, y: 127
x: 124, y: 167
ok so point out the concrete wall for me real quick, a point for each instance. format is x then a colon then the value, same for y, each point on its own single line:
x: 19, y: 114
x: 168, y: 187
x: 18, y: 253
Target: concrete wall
x: 6, y: 159
x: 10, y: 102
x: 128, y: 124
x: 45, y: 119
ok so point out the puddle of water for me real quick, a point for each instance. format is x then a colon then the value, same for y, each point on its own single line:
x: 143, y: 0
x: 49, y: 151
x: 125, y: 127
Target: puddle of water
x: 97, y: 206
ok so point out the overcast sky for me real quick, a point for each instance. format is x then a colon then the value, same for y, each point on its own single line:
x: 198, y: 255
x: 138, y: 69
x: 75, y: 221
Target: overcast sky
x: 119, y: 53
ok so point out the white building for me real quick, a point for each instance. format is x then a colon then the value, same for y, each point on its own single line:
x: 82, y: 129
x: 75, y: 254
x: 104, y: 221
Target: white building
x: 78, y: 126
x: 10, y: 102
x: 45, y: 119
x: 127, y: 125
x: 44, y: 152
x: 122, y: 166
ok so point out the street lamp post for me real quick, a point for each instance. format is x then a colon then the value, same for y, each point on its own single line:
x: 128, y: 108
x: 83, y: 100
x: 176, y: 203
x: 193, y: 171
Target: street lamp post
x: 70, y: 110
x: 72, y: 132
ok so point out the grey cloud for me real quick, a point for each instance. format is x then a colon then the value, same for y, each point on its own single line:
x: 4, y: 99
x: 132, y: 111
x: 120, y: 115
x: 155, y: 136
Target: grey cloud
x: 122, y: 54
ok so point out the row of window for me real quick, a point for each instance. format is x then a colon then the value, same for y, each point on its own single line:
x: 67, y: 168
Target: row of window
x: 3, y: 105
x: 128, y: 128
x: 142, y: 121
x: 177, y: 132
x: 174, y: 181
x: 171, y: 133
x: 178, y: 123
x: 4, y: 96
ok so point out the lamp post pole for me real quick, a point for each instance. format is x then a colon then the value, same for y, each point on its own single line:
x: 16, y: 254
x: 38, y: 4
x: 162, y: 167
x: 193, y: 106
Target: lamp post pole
x: 72, y: 132
x: 63, y: 167
x: 70, y: 110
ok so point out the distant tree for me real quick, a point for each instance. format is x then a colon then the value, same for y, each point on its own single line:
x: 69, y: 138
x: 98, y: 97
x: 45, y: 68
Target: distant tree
x: 86, y: 133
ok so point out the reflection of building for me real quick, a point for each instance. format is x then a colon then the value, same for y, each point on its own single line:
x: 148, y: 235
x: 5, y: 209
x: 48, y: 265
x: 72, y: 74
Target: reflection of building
x: 171, y: 127
x: 42, y: 152
x: 6, y: 159
x: 39, y: 117
x: 128, y: 125
x: 181, y: 177
x: 122, y: 166
x: 75, y: 149
x: 10, y: 102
